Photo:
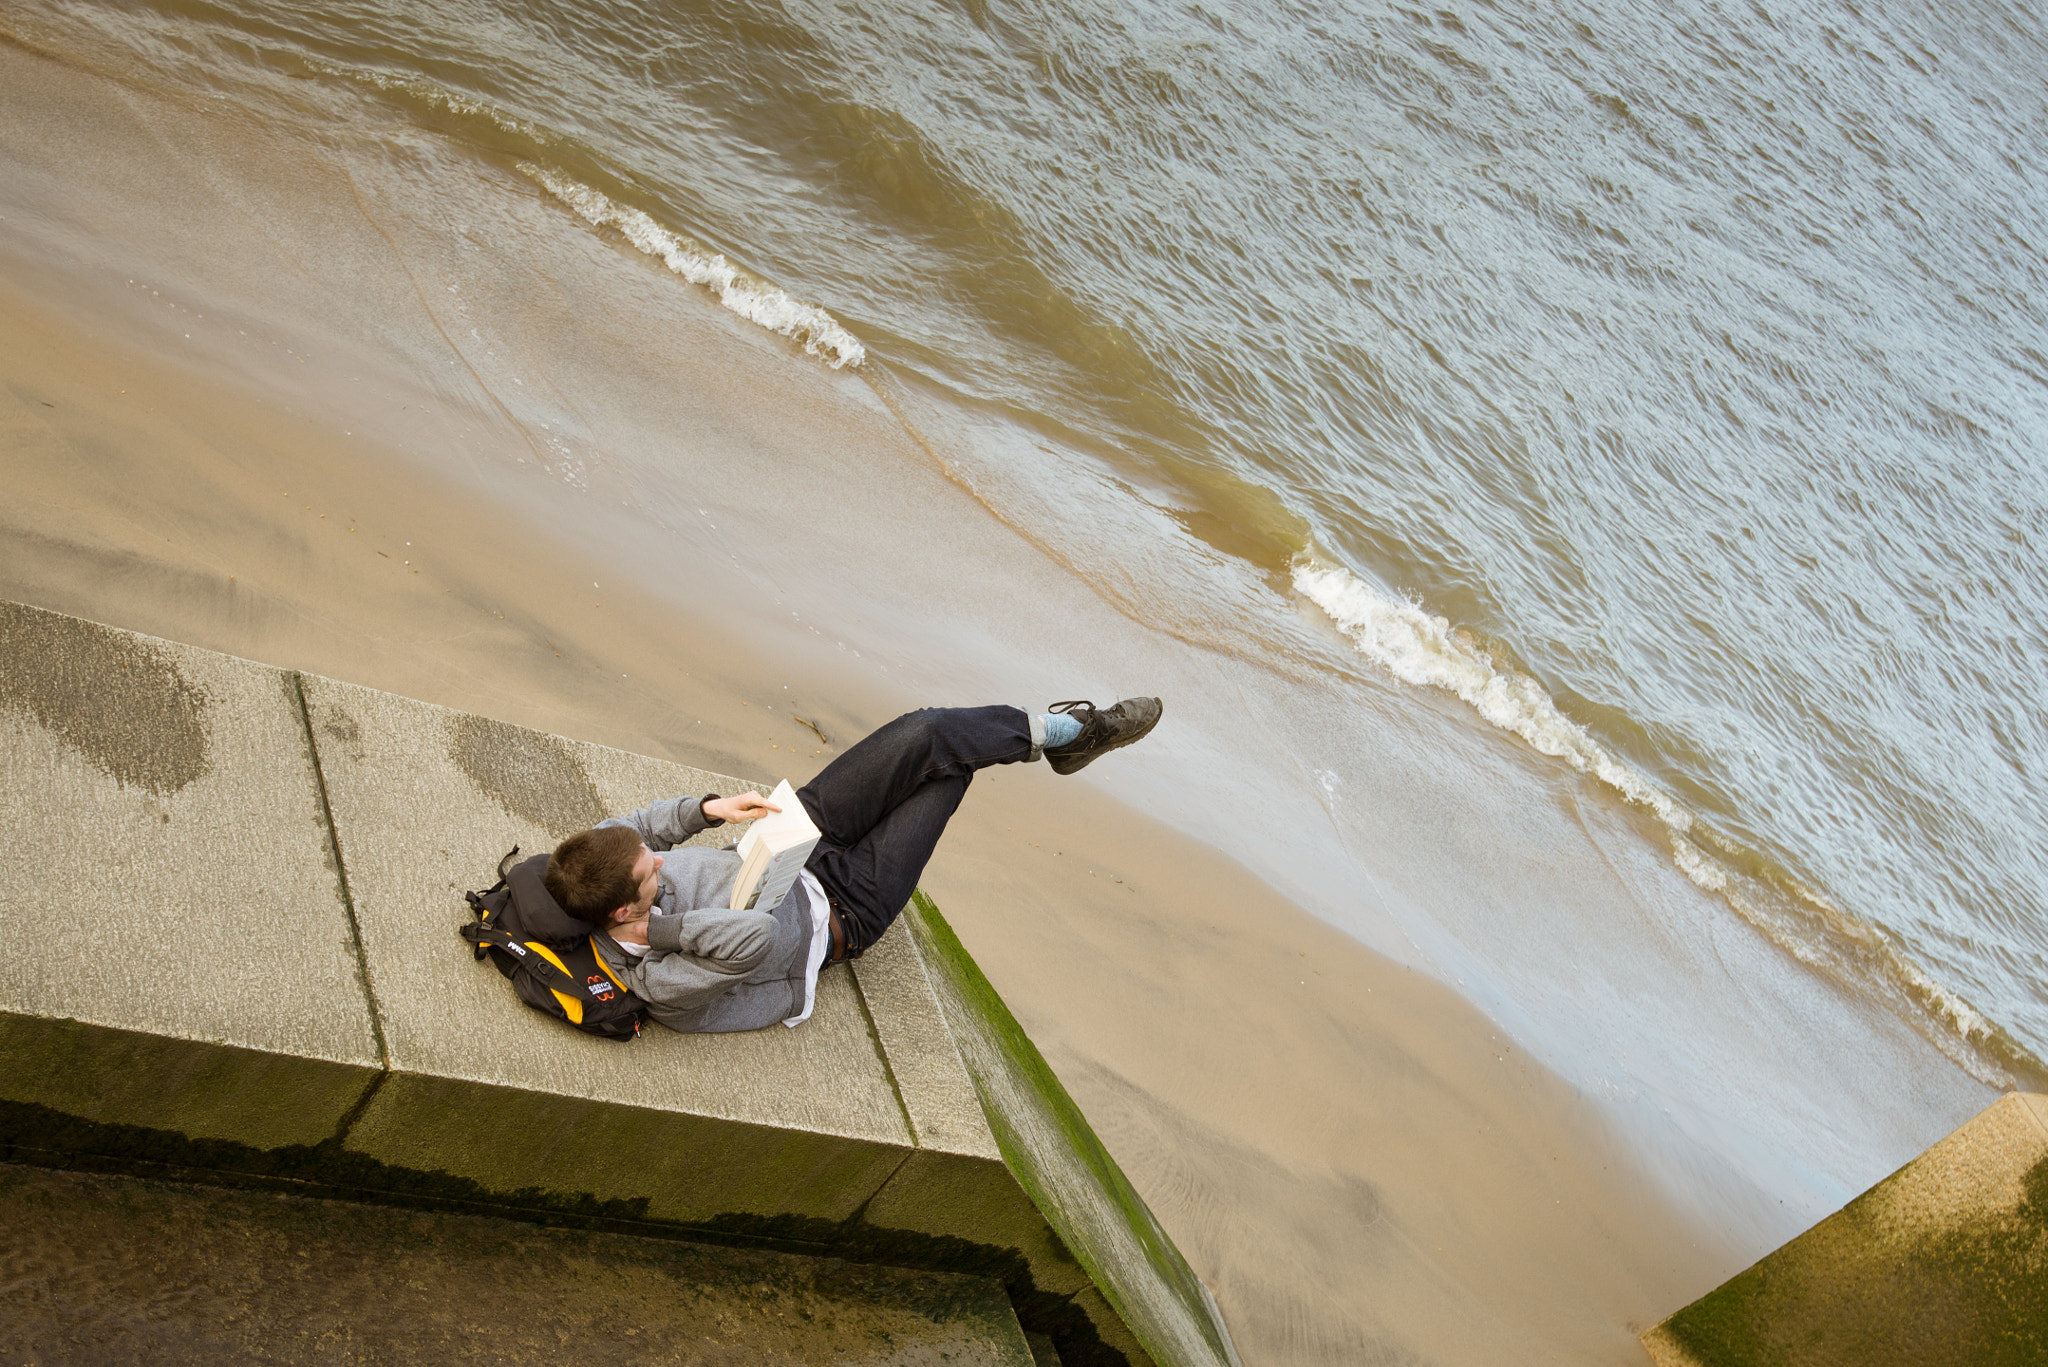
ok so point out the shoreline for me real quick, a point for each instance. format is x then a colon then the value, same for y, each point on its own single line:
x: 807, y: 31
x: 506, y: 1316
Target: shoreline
x: 158, y: 532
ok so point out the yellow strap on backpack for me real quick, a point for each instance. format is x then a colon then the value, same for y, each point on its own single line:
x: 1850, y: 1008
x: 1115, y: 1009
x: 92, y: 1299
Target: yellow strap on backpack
x: 571, y: 1007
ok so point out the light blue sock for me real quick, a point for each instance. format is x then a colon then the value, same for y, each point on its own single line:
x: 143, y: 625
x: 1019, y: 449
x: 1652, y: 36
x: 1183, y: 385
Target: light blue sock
x: 1060, y: 729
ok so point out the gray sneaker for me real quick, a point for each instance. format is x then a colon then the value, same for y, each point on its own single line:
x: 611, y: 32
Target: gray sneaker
x: 1102, y: 730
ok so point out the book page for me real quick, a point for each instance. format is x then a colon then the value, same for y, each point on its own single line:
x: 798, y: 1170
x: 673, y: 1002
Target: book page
x: 773, y: 851
x: 753, y: 864
x: 792, y: 817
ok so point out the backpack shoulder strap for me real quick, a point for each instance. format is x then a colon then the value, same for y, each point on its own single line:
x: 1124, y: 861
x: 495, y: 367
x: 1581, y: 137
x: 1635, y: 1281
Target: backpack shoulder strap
x: 477, y: 900
x: 604, y: 967
x: 535, y: 957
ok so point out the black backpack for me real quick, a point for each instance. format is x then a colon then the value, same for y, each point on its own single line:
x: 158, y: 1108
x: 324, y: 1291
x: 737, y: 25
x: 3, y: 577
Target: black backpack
x: 546, y: 953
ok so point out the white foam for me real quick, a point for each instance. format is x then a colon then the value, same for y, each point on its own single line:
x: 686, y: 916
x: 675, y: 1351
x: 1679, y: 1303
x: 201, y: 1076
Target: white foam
x: 1697, y: 864
x: 1420, y: 648
x: 1960, y: 1014
x: 819, y: 331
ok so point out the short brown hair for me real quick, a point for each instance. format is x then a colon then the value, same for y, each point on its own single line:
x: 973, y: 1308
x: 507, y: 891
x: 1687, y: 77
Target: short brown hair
x: 591, y: 873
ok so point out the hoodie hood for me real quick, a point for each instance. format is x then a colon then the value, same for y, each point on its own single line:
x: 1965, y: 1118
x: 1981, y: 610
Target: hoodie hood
x: 533, y: 913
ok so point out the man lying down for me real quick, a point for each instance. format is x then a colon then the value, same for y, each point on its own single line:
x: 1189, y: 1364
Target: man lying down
x: 659, y: 916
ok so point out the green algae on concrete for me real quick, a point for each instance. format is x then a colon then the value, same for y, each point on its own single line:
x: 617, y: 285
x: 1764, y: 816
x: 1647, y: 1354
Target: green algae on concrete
x: 1142, y: 1286
x: 677, y: 1166
x: 957, y: 1183
x: 112, y: 1269
x: 1945, y: 1261
x: 205, y: 1090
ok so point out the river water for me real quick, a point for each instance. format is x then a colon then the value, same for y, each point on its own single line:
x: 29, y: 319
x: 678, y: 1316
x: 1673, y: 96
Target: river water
x: 1661, y: 386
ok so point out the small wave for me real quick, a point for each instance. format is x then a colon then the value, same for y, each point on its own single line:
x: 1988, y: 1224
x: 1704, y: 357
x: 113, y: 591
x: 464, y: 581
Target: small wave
x: 757, y: 302
x: 1420, y: 648
x: 1698, y: 865
x: 434, y: 97
x: 819, y: 331
x: 1832, y: 942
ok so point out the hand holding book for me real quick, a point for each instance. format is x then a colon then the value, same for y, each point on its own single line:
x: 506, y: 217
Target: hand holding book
x: 745, y: 807
x: 773, y: 851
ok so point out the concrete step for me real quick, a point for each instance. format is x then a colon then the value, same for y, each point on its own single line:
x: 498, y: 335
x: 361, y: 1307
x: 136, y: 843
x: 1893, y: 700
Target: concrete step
x: 228, y: 902
x: 1944, y: 1262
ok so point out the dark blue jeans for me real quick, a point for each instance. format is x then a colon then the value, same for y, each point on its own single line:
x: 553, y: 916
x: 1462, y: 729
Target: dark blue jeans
x: 882, y: 806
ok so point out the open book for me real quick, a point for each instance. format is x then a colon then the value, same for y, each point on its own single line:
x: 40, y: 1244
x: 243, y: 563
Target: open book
x: 773, y: 851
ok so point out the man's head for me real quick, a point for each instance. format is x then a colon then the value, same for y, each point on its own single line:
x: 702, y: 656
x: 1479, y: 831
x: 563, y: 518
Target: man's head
x: 604, y: 876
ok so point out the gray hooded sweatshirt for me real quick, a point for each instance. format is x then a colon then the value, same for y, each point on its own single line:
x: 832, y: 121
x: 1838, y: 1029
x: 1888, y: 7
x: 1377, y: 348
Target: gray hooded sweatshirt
x: 710, y: 969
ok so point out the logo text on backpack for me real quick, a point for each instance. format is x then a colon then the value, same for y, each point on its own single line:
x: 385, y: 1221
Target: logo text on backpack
x: 600, y: 987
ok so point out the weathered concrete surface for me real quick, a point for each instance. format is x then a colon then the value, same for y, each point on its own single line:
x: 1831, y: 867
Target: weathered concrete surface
x: 106, y: 1269
x: 312, y: 839
x: 772, y: 1122
x: 166, y: 870
x: 1945, y: 1261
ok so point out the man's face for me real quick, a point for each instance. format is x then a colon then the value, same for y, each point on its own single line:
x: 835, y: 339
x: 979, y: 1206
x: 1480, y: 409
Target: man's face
x: 646, y: 876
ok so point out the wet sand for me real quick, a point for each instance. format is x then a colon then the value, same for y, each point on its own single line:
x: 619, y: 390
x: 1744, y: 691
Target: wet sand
x: 1354, y: 1158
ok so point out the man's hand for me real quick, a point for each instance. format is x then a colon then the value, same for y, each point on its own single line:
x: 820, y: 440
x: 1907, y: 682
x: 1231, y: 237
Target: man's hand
x: 745, y: 807
x: 633, y: 932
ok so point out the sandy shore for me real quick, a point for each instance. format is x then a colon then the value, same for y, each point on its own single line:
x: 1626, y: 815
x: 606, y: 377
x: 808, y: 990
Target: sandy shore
x: 1353, y: 1157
